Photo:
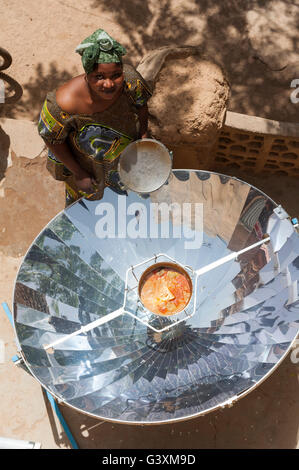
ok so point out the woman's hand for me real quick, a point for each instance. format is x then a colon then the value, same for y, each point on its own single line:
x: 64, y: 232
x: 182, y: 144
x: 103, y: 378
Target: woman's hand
x: 85, y: 182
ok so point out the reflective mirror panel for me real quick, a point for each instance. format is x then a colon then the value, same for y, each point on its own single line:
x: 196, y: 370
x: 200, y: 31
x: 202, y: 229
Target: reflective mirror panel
x: 246, y: 309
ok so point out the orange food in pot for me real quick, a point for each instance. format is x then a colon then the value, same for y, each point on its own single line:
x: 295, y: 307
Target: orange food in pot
x: 165, y: 291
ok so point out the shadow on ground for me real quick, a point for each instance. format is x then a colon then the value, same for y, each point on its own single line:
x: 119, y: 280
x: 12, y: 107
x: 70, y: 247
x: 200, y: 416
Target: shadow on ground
x: 259, y: 86
x: 44, y: 80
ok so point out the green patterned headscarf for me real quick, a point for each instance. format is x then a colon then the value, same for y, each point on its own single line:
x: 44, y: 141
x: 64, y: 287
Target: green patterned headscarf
x: 99, y: 48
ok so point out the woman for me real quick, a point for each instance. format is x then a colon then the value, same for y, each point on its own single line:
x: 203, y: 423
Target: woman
x: 87, y: 122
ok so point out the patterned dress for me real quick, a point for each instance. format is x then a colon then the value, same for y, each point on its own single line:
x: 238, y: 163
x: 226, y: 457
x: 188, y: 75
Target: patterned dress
x: 96, y: 141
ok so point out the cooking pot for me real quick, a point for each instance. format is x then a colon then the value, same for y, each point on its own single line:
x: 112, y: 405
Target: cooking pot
x: 144, y: 166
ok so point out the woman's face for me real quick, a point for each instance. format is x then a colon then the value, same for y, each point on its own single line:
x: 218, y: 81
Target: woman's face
x: 106, y: 80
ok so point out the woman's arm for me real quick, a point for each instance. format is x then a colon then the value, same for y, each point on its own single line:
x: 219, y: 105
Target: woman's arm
x: 84, y: 181
x: 143, y: 121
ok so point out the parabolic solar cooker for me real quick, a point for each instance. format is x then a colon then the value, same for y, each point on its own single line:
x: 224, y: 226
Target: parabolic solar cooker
x: 87, y: 334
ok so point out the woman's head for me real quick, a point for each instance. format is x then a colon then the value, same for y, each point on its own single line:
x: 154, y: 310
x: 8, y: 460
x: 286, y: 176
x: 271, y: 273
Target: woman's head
x: 100, y: 48
x: 106, y: 80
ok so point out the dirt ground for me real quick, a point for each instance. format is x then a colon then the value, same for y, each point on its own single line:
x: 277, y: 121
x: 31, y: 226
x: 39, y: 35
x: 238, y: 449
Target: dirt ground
x: 256, y: 42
